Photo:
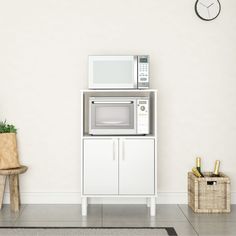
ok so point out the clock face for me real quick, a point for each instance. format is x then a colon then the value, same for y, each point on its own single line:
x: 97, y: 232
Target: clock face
x: 207, y: 9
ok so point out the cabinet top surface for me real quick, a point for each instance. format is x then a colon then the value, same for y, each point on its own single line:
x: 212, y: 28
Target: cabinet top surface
x: 118, y: 90
x: 119, y: 136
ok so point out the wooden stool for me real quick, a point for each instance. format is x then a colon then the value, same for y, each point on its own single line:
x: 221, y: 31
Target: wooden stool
x: 13, y: 175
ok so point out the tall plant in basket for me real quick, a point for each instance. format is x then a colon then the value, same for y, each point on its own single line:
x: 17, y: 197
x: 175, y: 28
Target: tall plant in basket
x: 8, y: 146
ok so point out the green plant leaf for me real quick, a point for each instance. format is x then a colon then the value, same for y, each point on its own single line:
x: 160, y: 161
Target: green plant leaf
x: 7, y: 128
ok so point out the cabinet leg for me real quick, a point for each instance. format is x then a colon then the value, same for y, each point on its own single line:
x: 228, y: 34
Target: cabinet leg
x: 152, y: 206
x: 2, y: 187
x: 148, y: 202
x: 84, y: 205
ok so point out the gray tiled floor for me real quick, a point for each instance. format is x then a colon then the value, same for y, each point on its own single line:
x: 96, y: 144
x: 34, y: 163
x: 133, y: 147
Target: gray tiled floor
x: 212, y: 224
x: 180, y: 217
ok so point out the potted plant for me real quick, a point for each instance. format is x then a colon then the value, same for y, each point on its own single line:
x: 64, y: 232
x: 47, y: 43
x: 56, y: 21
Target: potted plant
x: 8, y: 146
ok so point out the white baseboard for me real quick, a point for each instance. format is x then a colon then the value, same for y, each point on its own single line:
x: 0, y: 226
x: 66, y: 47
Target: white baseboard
x: 74, y: 198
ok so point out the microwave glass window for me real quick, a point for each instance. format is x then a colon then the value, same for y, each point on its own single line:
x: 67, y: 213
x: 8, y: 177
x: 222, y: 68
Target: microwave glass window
x: 113, y: 72
x: 113, y: 116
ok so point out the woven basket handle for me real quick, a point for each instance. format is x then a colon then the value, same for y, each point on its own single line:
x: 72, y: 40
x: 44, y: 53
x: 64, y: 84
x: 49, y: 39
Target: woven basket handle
x: 211, y: 182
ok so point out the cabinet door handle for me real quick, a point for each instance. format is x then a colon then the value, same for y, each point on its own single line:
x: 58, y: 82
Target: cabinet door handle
x: 123, y: 150
x: 114, y: 150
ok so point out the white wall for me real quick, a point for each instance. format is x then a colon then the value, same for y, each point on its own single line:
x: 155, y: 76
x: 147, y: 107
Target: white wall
x: 43, y: 65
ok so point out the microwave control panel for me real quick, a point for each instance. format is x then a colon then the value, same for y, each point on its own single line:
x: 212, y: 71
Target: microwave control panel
x: 143, y: 72
x: 143, y: 116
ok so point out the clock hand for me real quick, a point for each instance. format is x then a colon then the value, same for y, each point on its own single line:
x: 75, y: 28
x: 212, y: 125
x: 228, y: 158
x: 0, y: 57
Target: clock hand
x: 202, y: 4
x: 208, y: 13
x: 210, y: 5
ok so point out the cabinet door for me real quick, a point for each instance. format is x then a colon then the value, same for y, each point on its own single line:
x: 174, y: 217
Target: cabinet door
x: 136, y: 166
x: 100, y: 166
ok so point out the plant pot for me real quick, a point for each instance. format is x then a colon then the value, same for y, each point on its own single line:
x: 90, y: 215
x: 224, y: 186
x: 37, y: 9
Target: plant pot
x: 8, y: 151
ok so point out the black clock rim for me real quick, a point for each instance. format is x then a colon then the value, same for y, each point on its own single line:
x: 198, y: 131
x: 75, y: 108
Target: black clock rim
x: 195, y: 7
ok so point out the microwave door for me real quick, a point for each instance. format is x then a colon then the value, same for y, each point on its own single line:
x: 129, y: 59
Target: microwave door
x: 113, y: 72
x: 112, y: 118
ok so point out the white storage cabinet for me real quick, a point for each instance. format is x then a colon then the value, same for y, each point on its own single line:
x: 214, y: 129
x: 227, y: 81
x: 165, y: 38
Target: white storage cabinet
x: 118, y: 166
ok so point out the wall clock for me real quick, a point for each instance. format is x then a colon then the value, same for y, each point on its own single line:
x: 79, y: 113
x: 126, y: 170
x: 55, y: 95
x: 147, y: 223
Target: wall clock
x: 207, y: 9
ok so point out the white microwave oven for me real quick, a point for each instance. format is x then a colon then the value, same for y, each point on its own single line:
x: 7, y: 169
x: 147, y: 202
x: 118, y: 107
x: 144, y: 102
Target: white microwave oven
x: 119, y: 72
x: 119, y: 115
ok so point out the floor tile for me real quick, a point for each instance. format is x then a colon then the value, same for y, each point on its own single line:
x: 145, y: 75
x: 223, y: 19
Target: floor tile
x: 169, y: 212
x: 123, y: 212
x: 125, y: 223
x: 52, y: 224
x: 7, y: 224
x: 211, y: 217
x: 142, y: 213
x: 87, y: 232
x: 7, y: 215
x: 59, y: 212
x: 215, y: 228
x: 181, y: 217
x: 182, y: 228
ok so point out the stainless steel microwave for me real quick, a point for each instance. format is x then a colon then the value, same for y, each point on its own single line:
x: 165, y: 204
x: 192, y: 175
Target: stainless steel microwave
x: 119, y: 72
x: 119, y: 115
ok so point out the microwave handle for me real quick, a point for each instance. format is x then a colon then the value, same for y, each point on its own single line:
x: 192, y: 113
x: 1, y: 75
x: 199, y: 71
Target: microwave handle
x: 129, y: 102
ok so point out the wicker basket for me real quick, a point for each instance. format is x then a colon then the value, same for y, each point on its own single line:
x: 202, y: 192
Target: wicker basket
x: 8, y: 151
x: 209, y: 194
